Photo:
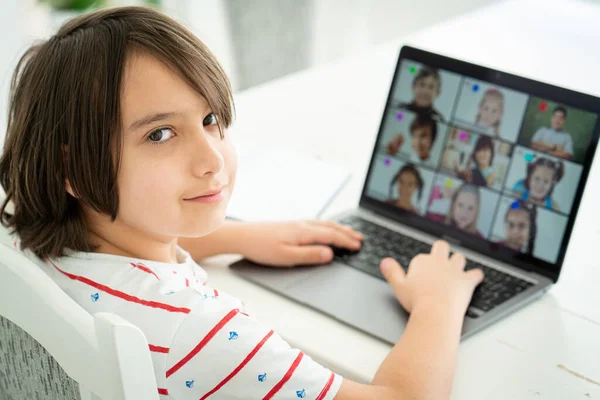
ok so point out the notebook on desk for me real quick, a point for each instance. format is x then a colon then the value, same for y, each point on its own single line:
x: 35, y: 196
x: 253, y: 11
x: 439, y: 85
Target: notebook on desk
x: 279, y: 184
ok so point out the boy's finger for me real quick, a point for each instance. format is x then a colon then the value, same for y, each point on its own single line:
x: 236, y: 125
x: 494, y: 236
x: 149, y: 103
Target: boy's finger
x: 390, y: 147
x: 459, y: 260
x: 308, y: 255
x: 476, y: 275
x: 344, y: 229
x: 440, y: 249
x: 324, y: 235
x: 356, y: 234
x: 392, y: 271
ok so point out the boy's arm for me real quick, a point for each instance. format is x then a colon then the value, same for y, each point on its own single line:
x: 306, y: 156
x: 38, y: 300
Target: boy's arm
x: 538, y: 144
x: 436, y: 292
x: 560, y: 151
x: 222, y: 241
x: 561, y: 154
x: 541, y: 146
x: 275, y: 243
x: 490, y: 179
x: 565, y: 151
x: 421, y: 365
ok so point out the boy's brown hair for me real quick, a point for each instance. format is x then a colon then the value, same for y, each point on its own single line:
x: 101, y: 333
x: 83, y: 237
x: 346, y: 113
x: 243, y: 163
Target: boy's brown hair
x: 426, y: 72
x: 65, y: 121
x: 424, y: 121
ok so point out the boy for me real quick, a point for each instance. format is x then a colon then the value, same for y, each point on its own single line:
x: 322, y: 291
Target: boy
x: 117, y: 153
x: 554, y: 140
x: 426, y: 88
x: 423, y: 131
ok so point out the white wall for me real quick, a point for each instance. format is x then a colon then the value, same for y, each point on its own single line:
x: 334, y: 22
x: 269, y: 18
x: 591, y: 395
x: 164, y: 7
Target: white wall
x: 11, y: 41
x: 344, y: 27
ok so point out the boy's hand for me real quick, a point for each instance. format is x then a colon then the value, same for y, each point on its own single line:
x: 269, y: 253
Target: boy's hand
x: 490, y: 179
x: 395, y: 144
x: 465, y: 174
x: 433, y: 280
x: 295, y: 243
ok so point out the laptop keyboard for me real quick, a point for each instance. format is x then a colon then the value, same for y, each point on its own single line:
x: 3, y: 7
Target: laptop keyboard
x: 380, y: 242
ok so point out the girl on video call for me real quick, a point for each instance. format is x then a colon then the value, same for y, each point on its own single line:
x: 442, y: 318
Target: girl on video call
x: 464, y: 209
x: 491, y: 109
x: 542, y: 176
x: 520, y: 227
x: 409, y: 181
x: 480, y: 170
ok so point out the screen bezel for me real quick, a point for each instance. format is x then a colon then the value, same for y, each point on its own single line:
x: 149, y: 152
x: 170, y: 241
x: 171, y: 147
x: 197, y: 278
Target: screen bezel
x: 509, y: 81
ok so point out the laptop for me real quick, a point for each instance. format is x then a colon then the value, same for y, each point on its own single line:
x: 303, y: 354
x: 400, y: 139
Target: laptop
x: 493, y: 163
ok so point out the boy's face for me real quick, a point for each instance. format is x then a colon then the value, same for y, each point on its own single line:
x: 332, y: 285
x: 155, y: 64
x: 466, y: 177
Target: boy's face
x: 407, y: 185
x: 517, y: 229
x: 558, y: 120
x: 421, y: 140
x: 173, y: 162
x: 426, y: 90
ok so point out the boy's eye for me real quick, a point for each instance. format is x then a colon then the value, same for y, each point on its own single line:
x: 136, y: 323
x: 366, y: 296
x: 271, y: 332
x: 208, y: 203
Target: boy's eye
x: 160, y: 135
x: 210, y: 119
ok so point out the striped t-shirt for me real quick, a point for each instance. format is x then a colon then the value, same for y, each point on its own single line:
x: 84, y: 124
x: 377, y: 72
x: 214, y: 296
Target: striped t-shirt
x: 202, y: 341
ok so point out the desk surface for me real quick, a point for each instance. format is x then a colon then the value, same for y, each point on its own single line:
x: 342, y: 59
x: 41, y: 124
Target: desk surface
x: 550, y: 349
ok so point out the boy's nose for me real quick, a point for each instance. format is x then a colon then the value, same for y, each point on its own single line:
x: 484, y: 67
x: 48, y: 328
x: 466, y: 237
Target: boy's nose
x: 205, y: 156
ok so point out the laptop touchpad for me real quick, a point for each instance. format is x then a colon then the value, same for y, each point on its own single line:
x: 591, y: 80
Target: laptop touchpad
x: 354, y: 297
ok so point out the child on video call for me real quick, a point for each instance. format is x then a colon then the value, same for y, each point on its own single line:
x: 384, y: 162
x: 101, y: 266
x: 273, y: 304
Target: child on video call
x: 491, y: 109
x: 480, y: 171
x: 117, y: 153
x: 464, y: 209
x: 408, y: 181
x: 542, y: 177
x: 554, y: 140
x: 426, y: 87
x: 423, y: 131
x: 520, y: 227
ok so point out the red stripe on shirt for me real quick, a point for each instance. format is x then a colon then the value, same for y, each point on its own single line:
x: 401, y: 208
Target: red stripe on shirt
x: 145, y: 269
x: 162, y: 391
x: 203, y: 342
x: 216, y: 292
x: 121, y: 295
x: 158, y: 349
x: 239, y: 367
x: 286, y: 377
x: 187, y: 282
x: 323, y: 393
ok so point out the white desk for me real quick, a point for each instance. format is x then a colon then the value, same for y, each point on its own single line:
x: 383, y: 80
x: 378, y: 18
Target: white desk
x: 548, y: 350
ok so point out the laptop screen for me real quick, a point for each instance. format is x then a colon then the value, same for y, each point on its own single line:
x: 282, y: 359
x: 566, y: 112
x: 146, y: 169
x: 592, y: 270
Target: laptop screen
x: 474, y: 154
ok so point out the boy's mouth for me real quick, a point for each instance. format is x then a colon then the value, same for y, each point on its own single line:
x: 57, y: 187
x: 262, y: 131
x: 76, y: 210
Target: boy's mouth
x: 213, y: 195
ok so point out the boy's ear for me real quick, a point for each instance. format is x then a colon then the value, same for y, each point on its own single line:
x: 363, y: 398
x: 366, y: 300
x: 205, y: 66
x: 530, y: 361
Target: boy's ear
x: 68, y: 188
x: 65, y: 152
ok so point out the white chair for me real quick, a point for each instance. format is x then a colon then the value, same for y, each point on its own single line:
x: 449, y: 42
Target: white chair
x: 105, y: 355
